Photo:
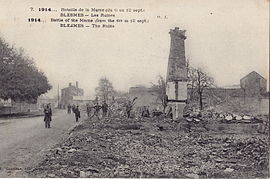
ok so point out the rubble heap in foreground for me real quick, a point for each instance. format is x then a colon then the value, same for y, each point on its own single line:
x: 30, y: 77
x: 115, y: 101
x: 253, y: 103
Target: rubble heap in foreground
x: 154, y: 147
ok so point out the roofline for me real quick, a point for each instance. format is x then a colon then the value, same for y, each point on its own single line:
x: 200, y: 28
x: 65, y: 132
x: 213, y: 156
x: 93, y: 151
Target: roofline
x: 252, y: 72
x: 72, y: 87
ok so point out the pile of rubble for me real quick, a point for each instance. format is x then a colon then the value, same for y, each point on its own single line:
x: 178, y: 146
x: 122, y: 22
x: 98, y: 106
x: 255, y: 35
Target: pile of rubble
x: 228, y: 157
x: 196, y: 115
x: 234, y: 118
x: 153, y: 147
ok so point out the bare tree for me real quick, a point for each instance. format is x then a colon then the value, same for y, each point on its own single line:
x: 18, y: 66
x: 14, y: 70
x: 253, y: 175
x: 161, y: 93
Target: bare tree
x: 191, y: 82
x: 199, y: 81
x: 105, y: 89
x: 160, y: 87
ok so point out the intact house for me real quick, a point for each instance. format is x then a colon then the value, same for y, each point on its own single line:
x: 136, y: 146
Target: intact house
x: 68, y: 93
x: 253, y: 84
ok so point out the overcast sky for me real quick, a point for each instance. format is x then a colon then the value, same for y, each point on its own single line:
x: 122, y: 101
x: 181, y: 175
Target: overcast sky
x: 228, y: 38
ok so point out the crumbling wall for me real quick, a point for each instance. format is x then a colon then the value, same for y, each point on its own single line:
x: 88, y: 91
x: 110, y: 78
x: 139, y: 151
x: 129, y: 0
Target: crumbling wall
x: 145, y: 97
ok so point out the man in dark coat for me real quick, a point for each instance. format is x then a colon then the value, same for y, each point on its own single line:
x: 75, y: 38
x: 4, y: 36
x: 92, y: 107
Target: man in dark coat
x: 77, y: 113
x: 47, y: 116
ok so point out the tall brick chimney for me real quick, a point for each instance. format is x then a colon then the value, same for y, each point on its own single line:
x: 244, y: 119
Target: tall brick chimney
x: 177, y: 69
x: 77, y: 84
x: 176, y: 88
x: 69, y: 84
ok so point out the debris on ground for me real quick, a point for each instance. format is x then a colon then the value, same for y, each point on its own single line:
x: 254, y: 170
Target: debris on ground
x: 155, y: 147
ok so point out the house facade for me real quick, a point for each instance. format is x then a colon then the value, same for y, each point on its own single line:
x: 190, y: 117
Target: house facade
x: 253, y: 84
x: 68, y: 93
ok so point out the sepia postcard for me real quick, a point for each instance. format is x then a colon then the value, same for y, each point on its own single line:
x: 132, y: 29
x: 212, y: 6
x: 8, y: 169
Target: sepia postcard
x: 134, y: 89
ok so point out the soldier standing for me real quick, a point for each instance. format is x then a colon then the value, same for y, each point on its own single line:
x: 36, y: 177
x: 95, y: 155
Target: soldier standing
x: 48, y: 116
x: 77, y: 113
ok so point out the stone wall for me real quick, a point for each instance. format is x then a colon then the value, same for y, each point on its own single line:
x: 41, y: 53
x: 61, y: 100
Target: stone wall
x: 248, y: 105
x: 19, y: 108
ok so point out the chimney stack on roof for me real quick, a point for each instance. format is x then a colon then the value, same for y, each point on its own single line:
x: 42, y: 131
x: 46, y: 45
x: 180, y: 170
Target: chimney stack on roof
x: 77, y: 84
x: 69, y: 84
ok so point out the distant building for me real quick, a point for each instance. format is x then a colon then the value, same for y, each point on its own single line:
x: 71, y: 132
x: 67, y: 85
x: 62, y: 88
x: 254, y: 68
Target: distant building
x: 68, y: 93
x: 253, y: 84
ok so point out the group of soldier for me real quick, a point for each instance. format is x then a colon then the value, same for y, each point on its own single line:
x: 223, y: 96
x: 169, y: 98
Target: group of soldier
x: 114, y: 109
x: 93, y: 110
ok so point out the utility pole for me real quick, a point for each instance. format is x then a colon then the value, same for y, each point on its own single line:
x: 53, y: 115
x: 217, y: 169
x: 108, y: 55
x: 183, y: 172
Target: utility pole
x: 58, y: 105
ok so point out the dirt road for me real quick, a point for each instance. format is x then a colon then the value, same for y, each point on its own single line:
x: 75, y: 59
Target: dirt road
x: 24, y: 142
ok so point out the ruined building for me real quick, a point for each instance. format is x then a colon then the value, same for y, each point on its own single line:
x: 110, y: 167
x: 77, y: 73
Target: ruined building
x: 177, y: 73
x: 145, y: 97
